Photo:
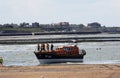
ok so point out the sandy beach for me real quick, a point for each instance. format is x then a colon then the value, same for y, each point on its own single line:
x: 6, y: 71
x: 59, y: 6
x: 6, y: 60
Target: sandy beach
x: 61, y: 71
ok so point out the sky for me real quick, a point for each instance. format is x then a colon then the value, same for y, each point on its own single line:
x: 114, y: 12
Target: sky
x: 105, y: 12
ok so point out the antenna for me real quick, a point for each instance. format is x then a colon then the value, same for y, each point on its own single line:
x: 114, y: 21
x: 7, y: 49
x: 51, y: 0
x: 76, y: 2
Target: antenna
x: 74, y: 42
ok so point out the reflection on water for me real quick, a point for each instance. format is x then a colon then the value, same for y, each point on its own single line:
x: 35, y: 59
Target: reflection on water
x: 97, y: 53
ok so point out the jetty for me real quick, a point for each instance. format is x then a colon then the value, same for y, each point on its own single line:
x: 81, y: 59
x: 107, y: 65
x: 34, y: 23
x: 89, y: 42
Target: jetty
x: 55, y: 39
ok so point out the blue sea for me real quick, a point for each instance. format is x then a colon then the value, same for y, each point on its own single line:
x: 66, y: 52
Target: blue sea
x: 96, y: 53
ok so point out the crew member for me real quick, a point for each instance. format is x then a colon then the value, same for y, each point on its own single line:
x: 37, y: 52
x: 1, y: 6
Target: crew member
x: 47, y: 46
x: 38, y: 47
x: 42, y: 47
x: 52, y: 46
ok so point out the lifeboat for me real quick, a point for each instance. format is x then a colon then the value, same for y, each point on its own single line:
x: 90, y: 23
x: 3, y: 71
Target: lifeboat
x: 46, y: 54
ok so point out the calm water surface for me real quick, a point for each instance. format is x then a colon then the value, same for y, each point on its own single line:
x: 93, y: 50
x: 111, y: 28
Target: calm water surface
x: 97, y: 53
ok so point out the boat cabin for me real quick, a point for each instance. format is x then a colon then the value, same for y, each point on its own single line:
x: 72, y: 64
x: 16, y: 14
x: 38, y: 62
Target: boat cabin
x: 74, y: 50
x: 59, y: 50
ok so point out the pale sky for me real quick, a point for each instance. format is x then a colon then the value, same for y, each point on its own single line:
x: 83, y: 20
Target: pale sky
x: 106, y: 12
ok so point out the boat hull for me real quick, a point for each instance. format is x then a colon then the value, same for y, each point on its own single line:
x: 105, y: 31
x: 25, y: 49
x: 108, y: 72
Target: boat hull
x: 49, y: 61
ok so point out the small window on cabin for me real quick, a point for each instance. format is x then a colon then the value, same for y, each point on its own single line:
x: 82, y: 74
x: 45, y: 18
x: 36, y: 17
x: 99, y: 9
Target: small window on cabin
x: 65, y: 49
x: 68, y: 49
x: 60, y: 48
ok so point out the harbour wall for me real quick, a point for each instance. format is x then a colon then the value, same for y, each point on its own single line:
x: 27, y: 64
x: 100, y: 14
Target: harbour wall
x: 47, y: 33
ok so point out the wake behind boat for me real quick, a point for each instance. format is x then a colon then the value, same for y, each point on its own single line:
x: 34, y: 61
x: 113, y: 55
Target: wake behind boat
x: 46, y: 54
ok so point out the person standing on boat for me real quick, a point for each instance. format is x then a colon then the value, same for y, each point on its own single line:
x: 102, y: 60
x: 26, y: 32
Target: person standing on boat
x: 52, y: 46
x: 42, y: 47
x: 38, y: 47
x: 47, y: 46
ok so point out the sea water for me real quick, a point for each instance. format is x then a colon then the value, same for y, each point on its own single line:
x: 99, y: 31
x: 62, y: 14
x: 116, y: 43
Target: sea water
x: 96, y: 53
